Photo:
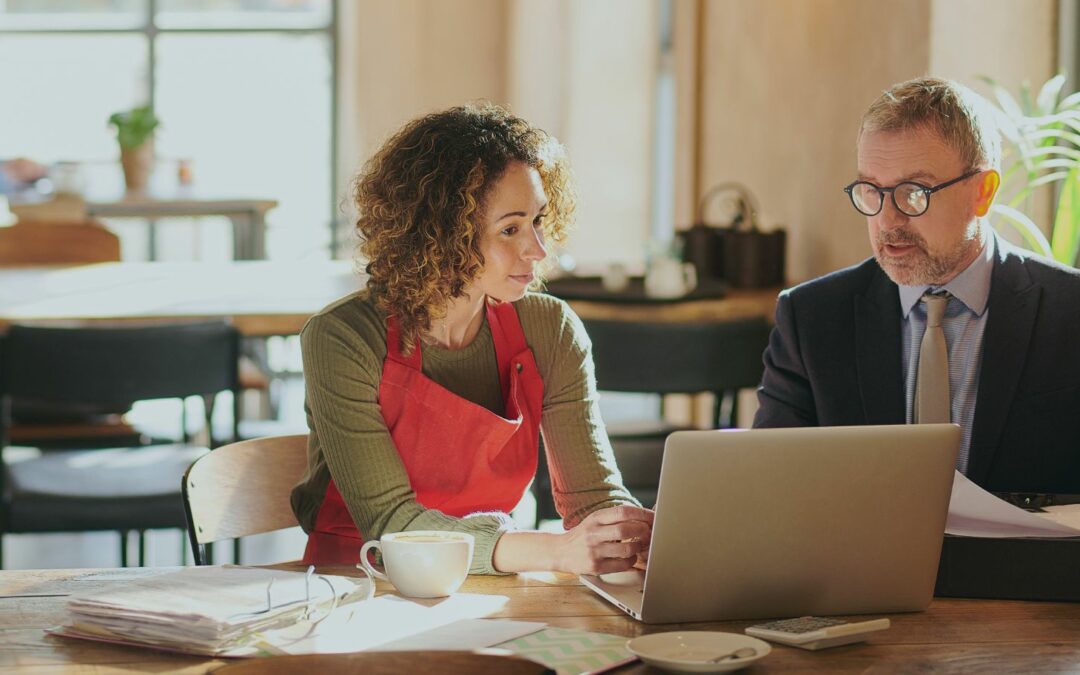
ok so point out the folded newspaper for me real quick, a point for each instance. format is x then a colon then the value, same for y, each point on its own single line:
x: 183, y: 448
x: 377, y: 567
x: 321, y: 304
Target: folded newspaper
x: 209, y: 610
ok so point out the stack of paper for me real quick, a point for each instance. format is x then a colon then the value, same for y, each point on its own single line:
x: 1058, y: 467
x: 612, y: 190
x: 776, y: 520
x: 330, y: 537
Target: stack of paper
x: 208, y: 610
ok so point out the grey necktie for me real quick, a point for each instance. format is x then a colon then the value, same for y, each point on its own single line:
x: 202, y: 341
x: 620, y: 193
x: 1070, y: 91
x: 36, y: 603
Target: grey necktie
x: 932, y: 400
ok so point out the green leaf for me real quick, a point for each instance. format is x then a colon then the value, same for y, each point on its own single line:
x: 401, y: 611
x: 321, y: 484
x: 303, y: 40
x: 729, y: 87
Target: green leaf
x: 1048, y: 178
x: 1008, y: 104
x: 1057, y: 134
x: 1066, y: 239
x: 1026, y: 103
x: 1033, y: 236
x: 1062, y: 150
x: 1048, y: 95
x: 135, y: 126
x: 1070, y: 101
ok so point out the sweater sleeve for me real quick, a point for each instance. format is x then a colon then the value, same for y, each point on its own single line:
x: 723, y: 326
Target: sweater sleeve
x: 342, y: 374
x: 584, y: 476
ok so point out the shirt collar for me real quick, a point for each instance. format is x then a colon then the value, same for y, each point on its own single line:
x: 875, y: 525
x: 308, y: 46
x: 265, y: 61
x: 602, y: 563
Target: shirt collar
x: 971, y: 287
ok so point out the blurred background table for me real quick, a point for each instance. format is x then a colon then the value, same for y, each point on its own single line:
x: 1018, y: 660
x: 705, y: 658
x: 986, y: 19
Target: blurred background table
x: 263, y: 297
x: 260, y: 298
x: 248, y: 216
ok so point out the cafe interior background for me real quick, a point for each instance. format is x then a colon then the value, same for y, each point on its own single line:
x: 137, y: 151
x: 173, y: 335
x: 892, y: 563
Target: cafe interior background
x: 657, y: 101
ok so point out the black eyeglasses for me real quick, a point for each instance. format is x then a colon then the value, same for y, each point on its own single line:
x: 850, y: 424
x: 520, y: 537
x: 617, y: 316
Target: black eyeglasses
x: 911, y: 199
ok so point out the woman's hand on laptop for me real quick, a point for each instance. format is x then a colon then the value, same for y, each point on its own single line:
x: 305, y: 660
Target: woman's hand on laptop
x: 608, y: 540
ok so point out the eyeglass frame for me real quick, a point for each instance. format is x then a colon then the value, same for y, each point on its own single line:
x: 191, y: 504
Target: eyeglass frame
x: 927, y: 189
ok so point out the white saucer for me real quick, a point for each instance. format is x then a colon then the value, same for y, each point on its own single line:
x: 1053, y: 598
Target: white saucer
x: 691, y: 651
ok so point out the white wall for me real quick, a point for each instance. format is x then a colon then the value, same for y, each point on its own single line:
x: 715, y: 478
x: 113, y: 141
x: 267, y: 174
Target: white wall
x: 580, y: 69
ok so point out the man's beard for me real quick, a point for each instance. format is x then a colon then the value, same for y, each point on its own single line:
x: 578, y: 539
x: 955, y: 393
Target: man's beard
x: 920, y: 268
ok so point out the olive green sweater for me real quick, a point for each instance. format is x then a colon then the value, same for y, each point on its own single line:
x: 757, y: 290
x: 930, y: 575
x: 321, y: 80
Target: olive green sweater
x: 344, y: 347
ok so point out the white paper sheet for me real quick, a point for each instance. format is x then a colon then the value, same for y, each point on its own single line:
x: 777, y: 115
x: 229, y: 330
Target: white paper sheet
x: 373, y: 623
x: 974, y: 512
x: 466, y: 634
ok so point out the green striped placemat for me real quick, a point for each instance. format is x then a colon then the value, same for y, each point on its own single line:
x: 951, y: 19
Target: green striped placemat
x: 572, y: 652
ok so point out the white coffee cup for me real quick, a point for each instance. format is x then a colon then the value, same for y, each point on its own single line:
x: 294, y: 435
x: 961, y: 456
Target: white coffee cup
x: 669, y: 278
x: 422, y: 563
x: 616, y: 278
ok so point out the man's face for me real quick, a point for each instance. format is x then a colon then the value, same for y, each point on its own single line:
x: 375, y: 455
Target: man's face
x: 936, y: 246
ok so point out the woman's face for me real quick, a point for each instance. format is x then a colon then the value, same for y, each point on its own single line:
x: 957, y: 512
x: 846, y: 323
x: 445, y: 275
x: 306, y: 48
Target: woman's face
x: 512, y: 241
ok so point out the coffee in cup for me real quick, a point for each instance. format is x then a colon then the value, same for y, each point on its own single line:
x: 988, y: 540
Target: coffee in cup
x: 422, y: 563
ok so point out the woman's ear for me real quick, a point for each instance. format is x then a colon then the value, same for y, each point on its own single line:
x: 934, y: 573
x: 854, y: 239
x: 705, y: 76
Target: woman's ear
x: 988, y: 187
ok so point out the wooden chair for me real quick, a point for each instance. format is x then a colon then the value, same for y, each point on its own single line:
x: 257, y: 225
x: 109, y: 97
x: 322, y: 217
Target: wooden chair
x: 30, y: 243
x: 242, y: 489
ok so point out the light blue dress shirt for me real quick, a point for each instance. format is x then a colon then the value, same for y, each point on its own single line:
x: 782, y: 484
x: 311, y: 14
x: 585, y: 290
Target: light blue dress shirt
x: 964, y: 324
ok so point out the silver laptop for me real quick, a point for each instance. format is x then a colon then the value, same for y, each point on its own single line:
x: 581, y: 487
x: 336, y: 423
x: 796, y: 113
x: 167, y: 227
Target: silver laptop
x: 789, y: 522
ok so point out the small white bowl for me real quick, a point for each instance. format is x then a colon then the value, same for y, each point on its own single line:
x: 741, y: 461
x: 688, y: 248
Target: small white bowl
x: 693, y: 651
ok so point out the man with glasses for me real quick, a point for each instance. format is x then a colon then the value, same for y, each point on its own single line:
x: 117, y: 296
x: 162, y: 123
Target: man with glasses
x: 947, y: 322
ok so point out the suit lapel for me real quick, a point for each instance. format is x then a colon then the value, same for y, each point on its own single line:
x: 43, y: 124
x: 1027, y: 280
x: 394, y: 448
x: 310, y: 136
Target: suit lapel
x: 1013, y: 306
x: 878, y: 352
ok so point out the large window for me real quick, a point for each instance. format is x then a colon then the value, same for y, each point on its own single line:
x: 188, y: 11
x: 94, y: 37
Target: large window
x: 245, y: 90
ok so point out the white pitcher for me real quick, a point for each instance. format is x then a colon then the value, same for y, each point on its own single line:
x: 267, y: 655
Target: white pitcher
x: 668, y: 277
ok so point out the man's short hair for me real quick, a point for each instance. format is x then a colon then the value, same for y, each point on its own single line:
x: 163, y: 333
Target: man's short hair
x: 964, y: 120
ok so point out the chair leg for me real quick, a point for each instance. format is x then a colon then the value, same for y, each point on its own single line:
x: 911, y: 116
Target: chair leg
x: 123, y: 548
x: 142, y: 548
x: 185, y: 437
x: 208, y: 415
x: 236, y: 551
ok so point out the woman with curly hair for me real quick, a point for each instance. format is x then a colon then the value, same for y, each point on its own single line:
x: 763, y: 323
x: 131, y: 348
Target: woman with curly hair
x: 426, y: 392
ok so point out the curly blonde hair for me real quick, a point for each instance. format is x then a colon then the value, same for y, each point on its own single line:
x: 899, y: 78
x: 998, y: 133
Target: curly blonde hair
x: 421, y: 200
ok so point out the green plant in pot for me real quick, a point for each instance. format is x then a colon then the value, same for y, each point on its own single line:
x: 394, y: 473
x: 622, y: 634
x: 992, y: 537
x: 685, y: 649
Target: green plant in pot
x: 1042, y: 153
x: 135, y: 133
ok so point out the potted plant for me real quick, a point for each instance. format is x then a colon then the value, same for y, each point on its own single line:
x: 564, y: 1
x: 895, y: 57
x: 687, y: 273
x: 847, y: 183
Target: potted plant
x: 135, y: 133
x: 1043, y: 135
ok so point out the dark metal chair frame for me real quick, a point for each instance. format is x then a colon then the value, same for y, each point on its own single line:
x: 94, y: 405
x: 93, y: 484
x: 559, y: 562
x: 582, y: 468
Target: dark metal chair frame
x: 720, y: 357
x: 113, y: 365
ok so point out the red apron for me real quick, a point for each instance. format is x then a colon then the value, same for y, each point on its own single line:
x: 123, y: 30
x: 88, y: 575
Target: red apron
x: 461, y: 457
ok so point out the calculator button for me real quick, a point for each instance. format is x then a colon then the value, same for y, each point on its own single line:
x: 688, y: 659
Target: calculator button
x: 801, y: 625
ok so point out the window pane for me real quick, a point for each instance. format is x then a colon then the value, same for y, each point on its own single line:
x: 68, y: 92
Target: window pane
x: 57, y: 109
x: 253, y: 113
x: 243, y: 13
x: 71, y: 14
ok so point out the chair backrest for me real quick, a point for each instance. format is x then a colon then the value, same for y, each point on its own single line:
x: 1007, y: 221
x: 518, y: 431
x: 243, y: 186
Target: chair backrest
x: 677, y: 358
x: 118, y: 365
x: 29, y: 243
x: 242, y: 489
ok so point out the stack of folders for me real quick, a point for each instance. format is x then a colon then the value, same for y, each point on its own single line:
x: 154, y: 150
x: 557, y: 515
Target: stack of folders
x: 208, y: 610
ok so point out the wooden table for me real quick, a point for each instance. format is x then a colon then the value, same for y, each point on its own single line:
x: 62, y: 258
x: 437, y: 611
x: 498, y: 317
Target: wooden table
x: 248, y: 216
x: 951, y: 636
x: 260, y: 297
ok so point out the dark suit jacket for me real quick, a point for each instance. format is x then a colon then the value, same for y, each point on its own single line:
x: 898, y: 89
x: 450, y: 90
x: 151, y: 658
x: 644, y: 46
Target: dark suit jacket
x: 834, y: 359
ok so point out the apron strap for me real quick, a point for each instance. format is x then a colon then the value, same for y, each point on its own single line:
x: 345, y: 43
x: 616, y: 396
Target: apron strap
x: 508, y: 337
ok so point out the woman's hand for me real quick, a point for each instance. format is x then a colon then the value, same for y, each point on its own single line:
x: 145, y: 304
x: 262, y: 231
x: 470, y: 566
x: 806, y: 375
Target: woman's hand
x: 609, y: 540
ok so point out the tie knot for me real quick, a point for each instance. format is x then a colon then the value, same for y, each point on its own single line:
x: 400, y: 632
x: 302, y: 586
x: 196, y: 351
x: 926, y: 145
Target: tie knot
x: 935, y: 308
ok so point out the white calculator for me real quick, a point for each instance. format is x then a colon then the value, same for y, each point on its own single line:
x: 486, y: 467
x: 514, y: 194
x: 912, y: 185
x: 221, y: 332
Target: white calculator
x: 813, y: 632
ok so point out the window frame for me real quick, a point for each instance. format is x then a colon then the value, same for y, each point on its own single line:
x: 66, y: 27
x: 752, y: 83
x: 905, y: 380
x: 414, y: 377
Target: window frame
x: 151, y: 31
